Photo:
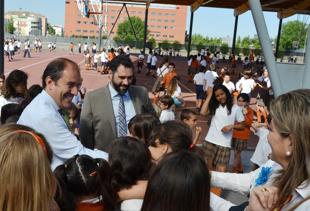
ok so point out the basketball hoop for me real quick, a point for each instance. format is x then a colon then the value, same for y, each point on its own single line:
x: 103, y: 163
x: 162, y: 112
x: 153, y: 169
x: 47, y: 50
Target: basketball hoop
x: 83, y: 7
x: 96, y: 10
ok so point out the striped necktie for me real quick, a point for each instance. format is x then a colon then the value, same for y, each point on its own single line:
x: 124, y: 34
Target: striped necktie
x: 122, y: 125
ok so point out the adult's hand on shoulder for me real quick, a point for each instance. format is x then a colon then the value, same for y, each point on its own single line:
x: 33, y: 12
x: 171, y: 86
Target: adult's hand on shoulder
x: 263, y: 198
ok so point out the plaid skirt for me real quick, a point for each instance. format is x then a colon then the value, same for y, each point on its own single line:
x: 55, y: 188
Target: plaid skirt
x: 218, y: 154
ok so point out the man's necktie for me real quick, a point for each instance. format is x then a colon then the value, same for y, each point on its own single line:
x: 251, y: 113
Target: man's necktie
x: 122, y: 125
x: 64, y: 114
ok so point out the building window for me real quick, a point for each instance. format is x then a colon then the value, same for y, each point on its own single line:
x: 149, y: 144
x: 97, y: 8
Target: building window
x: 165, y: 27
x: 78, y: 30
x: 91, y: 31
x: 92, y: 22
x: 166, y: 14
x: 159, y: 14
x: 164, y: 35
x: 157, y: 35
x: 171, y: 27
x: 171, y: 36
x: 153, y: 13
x: 173, y: 14
x: 166, y: 20
x: 85, y: 30
x: 79, y: 22
x: 85, y: 22
x: 140, y: 12
x: 172, y: 21
x: 159, y: 20
x: 159, y: 26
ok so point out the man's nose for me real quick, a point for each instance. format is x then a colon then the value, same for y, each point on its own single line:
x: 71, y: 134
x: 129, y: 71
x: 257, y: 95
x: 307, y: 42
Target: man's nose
x: 74, y: 90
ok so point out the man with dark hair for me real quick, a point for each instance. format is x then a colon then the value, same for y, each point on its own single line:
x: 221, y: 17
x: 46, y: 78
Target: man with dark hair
x: 107, y: 111
x: 61, y: 81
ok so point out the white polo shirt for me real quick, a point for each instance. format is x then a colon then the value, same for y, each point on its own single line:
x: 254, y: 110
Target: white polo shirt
x: 199, y: 78
x: 220, y: 120
x: 210, y: 76
x: 247, y: 85
x: 230, y: 86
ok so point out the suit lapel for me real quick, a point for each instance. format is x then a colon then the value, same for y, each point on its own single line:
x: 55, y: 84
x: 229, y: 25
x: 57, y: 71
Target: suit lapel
x: 107, y: 101
x: 135, y: 100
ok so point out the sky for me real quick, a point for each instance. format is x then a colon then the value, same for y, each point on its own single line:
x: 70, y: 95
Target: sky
x: 211, y: 22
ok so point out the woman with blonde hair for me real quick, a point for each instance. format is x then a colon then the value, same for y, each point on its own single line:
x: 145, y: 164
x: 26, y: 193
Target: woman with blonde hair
x: 283, y: 183
x: 289, y: 139
x: 26, y: 179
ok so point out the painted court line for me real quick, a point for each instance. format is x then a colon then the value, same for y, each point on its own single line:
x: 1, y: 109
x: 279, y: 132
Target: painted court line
x: 185, y: 87
x: 27, y: 66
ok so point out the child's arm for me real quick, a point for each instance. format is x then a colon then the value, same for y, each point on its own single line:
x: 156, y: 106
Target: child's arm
x: 204, y: 108
x: 197, y: 135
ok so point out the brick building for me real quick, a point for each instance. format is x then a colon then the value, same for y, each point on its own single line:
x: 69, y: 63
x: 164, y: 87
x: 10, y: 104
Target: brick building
x: 165, y: 22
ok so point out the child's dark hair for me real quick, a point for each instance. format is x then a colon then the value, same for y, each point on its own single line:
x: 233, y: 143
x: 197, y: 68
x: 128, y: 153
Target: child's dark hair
x: 244, y: 96
x: 174, y: 176
x: 141, y: 126
x: 166, y: 100
x: 130, y: 161
x: 214, y: 104
x: 187, y: 113
x: 80, y: 176
x: 10, y: 111
x: 172, y: 64
x: 32, y: 92
x: 176, y: 134
x: 15, y: 78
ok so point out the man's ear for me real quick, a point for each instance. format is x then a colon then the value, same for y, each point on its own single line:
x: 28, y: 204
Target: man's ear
x: 50, y: 83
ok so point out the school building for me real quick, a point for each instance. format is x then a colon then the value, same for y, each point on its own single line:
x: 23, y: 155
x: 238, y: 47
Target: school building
x: 165, y: 22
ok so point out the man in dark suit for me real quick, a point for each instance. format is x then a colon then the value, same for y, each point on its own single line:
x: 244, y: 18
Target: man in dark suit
x: 107, y: 111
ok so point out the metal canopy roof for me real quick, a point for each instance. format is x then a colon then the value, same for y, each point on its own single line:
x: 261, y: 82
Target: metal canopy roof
x: 285, y: 8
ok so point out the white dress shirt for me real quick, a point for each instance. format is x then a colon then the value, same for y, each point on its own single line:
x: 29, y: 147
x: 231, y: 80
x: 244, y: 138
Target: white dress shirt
x: 129, y: 107
x: 42, y: 114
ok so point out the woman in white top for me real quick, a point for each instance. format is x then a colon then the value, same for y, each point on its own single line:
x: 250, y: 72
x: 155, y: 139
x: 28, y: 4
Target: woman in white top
x: 289, y: 138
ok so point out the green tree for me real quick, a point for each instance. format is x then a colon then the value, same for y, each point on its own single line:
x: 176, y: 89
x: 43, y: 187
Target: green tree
x: 224, y: 48
x: 256, y: 43
x: 165, y: 45
x: 176, y: 45
x: 293, y: 31
x: 10, y: 26
x: 153, y: 42
x: 198, y: 39
x: 50, y: 29
x: 125, y: 32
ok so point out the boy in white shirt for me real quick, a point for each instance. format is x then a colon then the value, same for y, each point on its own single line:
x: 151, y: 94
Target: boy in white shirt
x: 165, y: 104
x: 229, y: 85
x: 199, y: 83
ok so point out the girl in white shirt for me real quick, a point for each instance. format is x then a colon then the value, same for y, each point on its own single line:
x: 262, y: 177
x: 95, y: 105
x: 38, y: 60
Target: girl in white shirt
x: 224, y: 117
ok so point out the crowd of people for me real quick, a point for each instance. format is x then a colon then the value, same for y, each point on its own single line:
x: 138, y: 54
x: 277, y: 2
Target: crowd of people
x: 114, y: 148
x: 13, y: 46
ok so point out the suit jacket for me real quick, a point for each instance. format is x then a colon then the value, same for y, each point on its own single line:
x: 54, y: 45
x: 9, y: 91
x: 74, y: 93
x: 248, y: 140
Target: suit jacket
x: 98, y: 125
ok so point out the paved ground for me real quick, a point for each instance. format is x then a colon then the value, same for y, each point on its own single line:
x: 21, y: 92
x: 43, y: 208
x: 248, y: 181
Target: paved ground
x: 91, y: 80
